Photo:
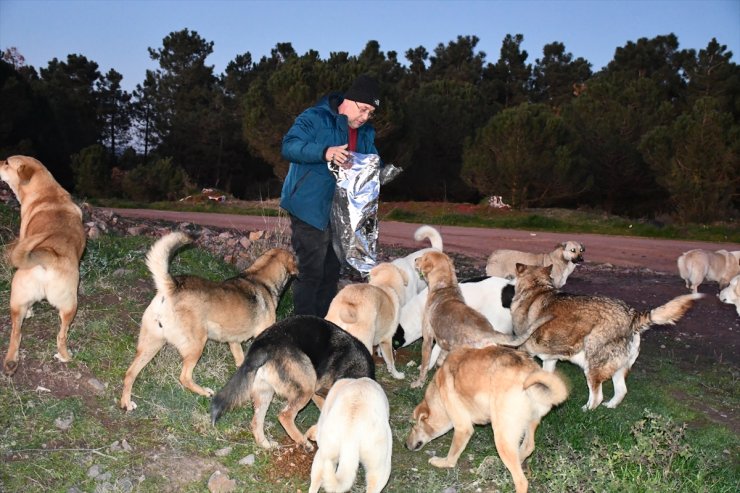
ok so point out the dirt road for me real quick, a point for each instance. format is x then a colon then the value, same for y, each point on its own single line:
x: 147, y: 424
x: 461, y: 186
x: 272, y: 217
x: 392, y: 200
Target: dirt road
x: 621, y: 251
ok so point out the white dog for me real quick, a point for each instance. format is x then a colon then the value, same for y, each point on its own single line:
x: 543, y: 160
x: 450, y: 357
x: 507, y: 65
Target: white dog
x: 353, y: 428
x: 416, y: 283
x: 731, y: 294
x: 563, y: 258
x: 491, y: 296
x: 697, y: 265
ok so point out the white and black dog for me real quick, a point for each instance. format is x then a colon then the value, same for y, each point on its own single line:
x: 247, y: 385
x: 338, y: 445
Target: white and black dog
x: 489, y: 295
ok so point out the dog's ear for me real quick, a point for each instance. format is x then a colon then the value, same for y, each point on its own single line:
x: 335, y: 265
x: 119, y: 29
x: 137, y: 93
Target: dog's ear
x: 562, y: 245
x: 25, y: 172
x: 548, y: 269
x: 583, y: 248
x: 520, y: 268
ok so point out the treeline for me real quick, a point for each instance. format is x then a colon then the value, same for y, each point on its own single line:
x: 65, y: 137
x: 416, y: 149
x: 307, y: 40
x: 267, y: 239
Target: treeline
x: 656, y: 131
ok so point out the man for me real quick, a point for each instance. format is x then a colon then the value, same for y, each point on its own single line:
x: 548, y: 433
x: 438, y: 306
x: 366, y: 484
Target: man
x: 322, y: 134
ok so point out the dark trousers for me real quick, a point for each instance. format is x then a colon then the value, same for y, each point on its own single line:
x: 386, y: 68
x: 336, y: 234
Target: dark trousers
x: 318, y: 268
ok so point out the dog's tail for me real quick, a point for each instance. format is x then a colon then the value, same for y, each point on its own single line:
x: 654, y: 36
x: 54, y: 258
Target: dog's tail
x: 26, y: 253
x: 158, y: 260
x: 343, y: 476
x: 236, y: 391
x: 667, y: 314
x: 545, y: 387
x: 429, y: 233
x: 518, y: 340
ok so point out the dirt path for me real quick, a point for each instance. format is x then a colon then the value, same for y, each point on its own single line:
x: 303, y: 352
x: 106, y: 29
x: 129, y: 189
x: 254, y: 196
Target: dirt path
x: 621, y: 251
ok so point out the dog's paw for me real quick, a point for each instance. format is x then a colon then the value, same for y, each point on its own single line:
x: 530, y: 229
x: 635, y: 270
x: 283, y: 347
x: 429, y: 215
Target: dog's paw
x: 307, y: 447
x: 208, y: 392
x: 311, y: 433
x: 128, y: 406
x: 29, y: 313
x: 416, y: 384
x: 398, y: 375
x: 10, y: 367
x: 440, y: 462
x: 61, y: 358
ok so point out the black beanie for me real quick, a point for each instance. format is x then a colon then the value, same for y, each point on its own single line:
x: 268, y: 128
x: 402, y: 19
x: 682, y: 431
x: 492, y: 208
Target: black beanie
x: 364, y: 90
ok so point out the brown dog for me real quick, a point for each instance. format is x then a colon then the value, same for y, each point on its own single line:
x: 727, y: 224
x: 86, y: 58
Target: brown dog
x: 502, y: 263
x: 370, y: 312
x: 47, y: 252
x: 496, y: 385
x: 697, y: 265
x: 189, y: 310
x: 599, y: 334
x: 448, y: 320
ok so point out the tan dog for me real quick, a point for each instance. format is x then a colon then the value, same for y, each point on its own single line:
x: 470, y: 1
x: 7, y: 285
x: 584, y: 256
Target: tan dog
x: 189, y: 310
x: 370, y: 312
x: 47, y: 252
x: 695, y: 266
x: 353, y: 428
x: 731, y: 294
x: 599, y: 334
x: 502, y: 263
x: 496, y: 385
x: 448, y: 320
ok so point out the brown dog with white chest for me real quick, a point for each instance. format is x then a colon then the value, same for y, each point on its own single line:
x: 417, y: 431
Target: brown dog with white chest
x: 46, y: 254
x: 448, y: 320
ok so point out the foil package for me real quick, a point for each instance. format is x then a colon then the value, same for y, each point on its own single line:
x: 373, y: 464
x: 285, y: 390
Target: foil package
x: 354, y: 214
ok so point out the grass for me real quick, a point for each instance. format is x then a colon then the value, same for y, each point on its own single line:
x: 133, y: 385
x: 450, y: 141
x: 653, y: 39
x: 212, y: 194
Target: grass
x: 657, y: 440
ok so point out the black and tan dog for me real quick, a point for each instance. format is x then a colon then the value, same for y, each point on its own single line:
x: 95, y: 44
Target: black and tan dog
x: 299, y: 359
x: 46, y: 254
x: 189, y: 310
x: 496, y: 385
x: 599, y: 334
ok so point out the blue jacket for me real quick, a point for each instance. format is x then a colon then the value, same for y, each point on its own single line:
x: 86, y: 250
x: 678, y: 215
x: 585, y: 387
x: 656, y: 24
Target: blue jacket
x: 308, y: 189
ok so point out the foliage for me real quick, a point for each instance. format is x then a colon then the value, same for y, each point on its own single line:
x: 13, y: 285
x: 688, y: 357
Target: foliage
x: 91, y: 171
x: 157, y: 180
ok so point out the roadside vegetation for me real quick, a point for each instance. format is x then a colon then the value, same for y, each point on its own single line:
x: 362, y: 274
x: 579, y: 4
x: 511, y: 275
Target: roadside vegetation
x: 61, y: 432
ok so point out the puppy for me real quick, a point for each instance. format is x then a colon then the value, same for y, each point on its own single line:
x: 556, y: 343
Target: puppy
x: 491, y: 296
x: 447, y: 319
x: 353, y: 428
x: 189, y: 310
x: 46, y: 253
x: 731, y: 294
x: 496, y: 385
x: 299, y: 359
x: 599, y: 334
x: 695, y: 266
x: 502, y: 263
x: 416, y: 283
x: 370, y: 312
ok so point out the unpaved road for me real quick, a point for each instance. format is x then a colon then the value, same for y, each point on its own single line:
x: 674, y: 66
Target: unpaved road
x: 621, y: 251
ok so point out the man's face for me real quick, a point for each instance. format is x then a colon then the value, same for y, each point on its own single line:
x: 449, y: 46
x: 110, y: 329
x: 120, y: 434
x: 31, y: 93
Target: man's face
x: 359, y: 113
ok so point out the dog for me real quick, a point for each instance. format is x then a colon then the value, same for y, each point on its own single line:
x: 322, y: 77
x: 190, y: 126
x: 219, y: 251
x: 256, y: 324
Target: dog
x: 697, y: 265
x: 189, y: 310
x: 299, y: 359
x: 46, y: 253
x: 447, y: 319
x: 731, y: 293
x: 353, y: 428
x: 491, y: 296
x: 496, y: 385
x: 417, y: 284
x: 502, y: 263
x: 597, y: 333
x: 371, y: 311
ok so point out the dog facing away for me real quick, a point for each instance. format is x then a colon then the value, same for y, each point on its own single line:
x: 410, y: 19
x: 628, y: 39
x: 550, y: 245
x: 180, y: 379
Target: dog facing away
x: 599, y: 334
x: 353, y: 428
x: 448, y: 320
x: 731, y: 294
x: 496, y: 385
x: 406, y: 264
x: 491, y: 296
x: 697, y: 265
x: 189, y: 310
x: 502, y: 263
x: 371, y: 311
x: 299, y: 359
x: 46, y: 253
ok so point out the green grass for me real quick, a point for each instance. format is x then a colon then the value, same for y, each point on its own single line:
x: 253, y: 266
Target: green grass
x: 657, y: 440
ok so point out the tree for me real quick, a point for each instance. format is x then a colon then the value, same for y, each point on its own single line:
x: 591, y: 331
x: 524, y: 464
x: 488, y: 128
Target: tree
x: 143, y: 113
x: 115, y: 112
x: 91, y: 171
x: 457, y: 61
x: 555, y: 74
x: 712, y: 73
x: 510, y: 75
x: 696, y: 159
x: 525, y: 154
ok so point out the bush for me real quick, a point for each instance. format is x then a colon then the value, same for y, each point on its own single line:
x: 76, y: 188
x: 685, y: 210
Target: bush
x: 157, y: 180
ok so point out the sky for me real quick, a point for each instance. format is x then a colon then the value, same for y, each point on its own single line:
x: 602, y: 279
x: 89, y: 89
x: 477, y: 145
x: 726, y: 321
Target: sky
x: 116, y: 33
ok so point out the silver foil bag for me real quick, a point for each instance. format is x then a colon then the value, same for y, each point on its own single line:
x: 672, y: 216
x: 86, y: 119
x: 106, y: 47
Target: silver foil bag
x: 354, y: 214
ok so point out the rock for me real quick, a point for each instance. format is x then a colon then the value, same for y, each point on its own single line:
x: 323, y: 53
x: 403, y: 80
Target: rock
x: 220, y: 483
x: 247, y: 461
x: 137, y: 230
x: 96, y: 385
x: 256, y: 235
x: 223, y: 452
x: 64, y: 423
x: 245, y: 242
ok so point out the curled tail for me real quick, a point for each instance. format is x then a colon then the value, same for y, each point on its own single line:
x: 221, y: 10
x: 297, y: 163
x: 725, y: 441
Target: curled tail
x: 429, y: 233
x: 236, y: 390
x: 26, y: 254
x: 158, y: 260
x: 344, y: 476
x: 545, y: 387
x: 667, y: 314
